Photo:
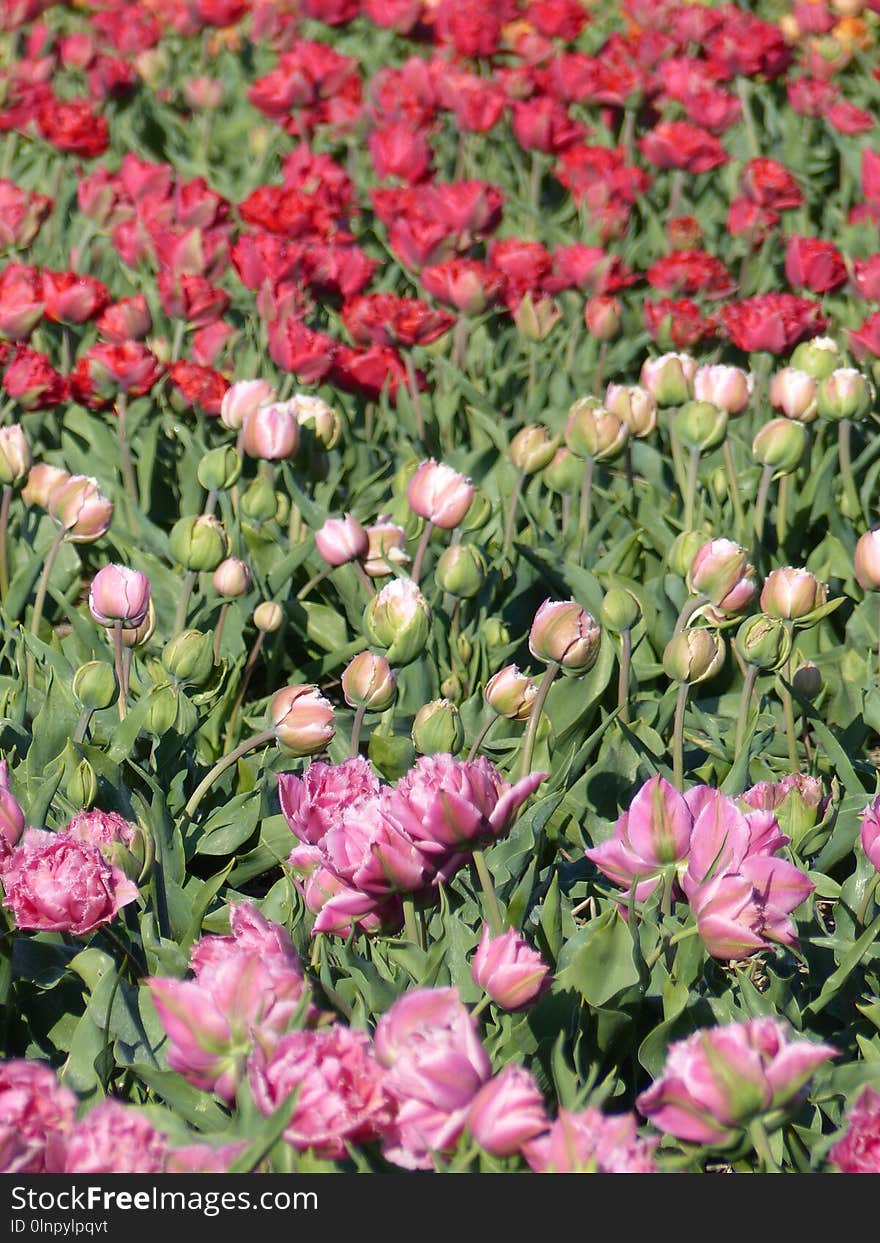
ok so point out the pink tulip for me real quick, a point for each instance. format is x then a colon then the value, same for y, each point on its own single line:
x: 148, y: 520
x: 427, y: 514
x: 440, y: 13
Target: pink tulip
x: 36, y: 1118
x: 339, y: 907
x: 54, y: 883
x: 371, y: 852
x: 509, y: 970
x: 270, y: 432
x: 231, y: 578
x: 565, y: 633
x: 724, y: 835
x: 302, y: 719
x: 114, y: 1139
x: 652, y: 836
x: 740, y: 912
x: 79, y: 505
x: 721, y: 572
x: 858, y: 1150
x: 11, y: 814
x: 507, y: 1112
x: 341, y: 539
x: 590, y: 1142
x: 794, y: 392
x: 866, y: 560
x: 440, y: 494
x: 42, y: 481
x: 420, y: 1133
x: 251, y: 933
x: 203, y: 1158
x: 728, y: 388
x: 790, y: 593
x: 871, y: 832
x: 314, y: 803
x: 241, y: 399
x: 717, y: 1080
x: 339, y: 1085
x: 118, y: 594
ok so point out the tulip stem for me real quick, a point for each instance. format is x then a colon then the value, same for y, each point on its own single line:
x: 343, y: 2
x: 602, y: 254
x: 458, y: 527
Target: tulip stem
x: 623, y: 675
x: 493, y: 908
x: 688, y: 609
x: 82, y: 725
x: 761, y: 1144
x: 245, y: 681
x: 745, y: 702
x: 313, y: 582
x: 415, y: 396
x: 782, y: 510
x: 678, y: 737
x: 845, y: 458
x: 420, y: 552
x: 480, y: 738
x: 690, y: 496
x: 761, y: 504
x: 788, y: 715
x: 870, y: 890
x: 511, y: 513
x: 122, y: 701
x: 128, y: 476
x: 410, y: 922
x: 40, y: 598
x: 365, y: 579
x: 4, y: 541
x: 733, y: 486
x: 356, y: 728
x: 218, y: 631
x: 585, y: 512
x: 677, y: 466
x: 690, y: 931
x: 183, y: 603
x: 250, y: 744
x: 627, y: 133
x: 742, y: 90
x: 531, y: 735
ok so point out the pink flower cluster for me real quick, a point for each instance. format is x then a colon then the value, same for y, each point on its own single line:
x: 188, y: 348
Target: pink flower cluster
x: 720, y: 855
x: 363, y: 844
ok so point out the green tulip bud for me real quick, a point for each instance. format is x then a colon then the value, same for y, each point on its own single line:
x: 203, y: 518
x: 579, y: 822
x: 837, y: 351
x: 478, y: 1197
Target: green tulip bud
x: 818, y: 357
x: 163, y: 708
x: 780, y: 444
x: 495, y: 633
x: 219, y: 469
x: 461, y: 570
x: 268, y: 616
x: 845, y: 394
x: 682, y: 551
x: 700, y: 425
x: 94, y: 685
x: 80, y: 780
x: 399, y: 619
x: 368, y: 681
x: 591, y: 431
x: 189, y: 657
x: 532, y: 448
x: 198, y: 543
x: 620, y: 610
x: 763, y: 641
x: 807, y: 680
x: 693, y: 656
x: 451, y: 688
x: 564, y: 473
x: 259, y: 501
x: 438, y: 728
x: 465, y: 647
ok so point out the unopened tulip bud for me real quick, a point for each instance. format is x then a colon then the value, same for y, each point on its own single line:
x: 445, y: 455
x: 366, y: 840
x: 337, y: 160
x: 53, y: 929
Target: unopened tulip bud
x: 202, y: 93
x: 302, y: 719
x: 700, y: 425
x: 313, y: 414
x: 118, y: 594
x: 219, y: 469
x: 866, y: 560
x: 764, y: 642
x: 369, y: 681
x: 12, y: 819
x: 162, y: 710
x: 793, y: 393
x: 790, y: 593
x: 620, y: 610
x: 511, y: 693
x: 231, y: 578
x: 683, y: 550
x: 602, y: 316
x: 721, y: 572
x: 818, y: 357
x: 461, y: 570
x: 15, y: 454
x: 565, y: 634
x: 270, y: 432
x: 452, y: 689
x: 398, y: 618
x: 81, y: 784
x: 42, y: 481
x: 260, y: 500
x: 845, y: 394
x: 268, y: 616
x: 465, y: 647
x: 189, y: 657
x: 495, y: 633
x: 719, y: 484
x: 535, y: 318
x: 693, y: 656
x: 79, y: 505
x: 591, y: 431
x: 437, y: 728
x: 807, y: 680
x: 241, y: 399
x: 669, y: 378
x: 565, y: 473
x: 198, y: 543
x: 439, y: 494
x: 532, y: 448
x: 780, y: 444
x: 509, y: 970
x: 94, y: 685
x: 728, y: 388
x: 342, y: 539
x: 635, y: 405
x: 385, y: 549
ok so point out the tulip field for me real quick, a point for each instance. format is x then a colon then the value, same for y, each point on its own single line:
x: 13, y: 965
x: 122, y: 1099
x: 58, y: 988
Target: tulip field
x: 439, y: 586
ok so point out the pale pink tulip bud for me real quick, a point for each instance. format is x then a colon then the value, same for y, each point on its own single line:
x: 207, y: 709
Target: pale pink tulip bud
x: 728, y: 388
x: 871, y: 832
x: 780, y: 443
x: 314, y: 414
x: 42, y: 480
x: 507, y: 1112
x: 11, y: 815
x: 386, y: 548
x: 37, y: 1116
x: 120, y: 841
x: 565, y: 634
x: 241, y: 399
x: 270, y: 432
x: 845, y: 394
x: 15, y: 454
x: 602, y: 316
x: 268, y: 616
x: 440, y: 494
x: 509, y: 970
x: 588, y: 1142
x: 718, y: 1080
x: 341, y: 539
x: 369, y: 681
x: 81, y: 508
x: 231, y: 578
x: 669, y: 378
x: 866, y: 560
x: 511, y: 693
x: 721, y: 572
x: 115, y: 1139
x: 302, y: 719
x: 790, y: 593
x: 794, y: 393
x: 202, y: 93
x: 635, y: 405
x: 398, y: 618
x: 118, y: 594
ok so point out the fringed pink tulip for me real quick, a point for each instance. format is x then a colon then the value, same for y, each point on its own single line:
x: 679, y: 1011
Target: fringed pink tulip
x: 36, y: 1118
x: 590, y: 1142
x: 315, y: 802
x: 858, y: 1150
x: 341, y: 539
x: 114, y: 1139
